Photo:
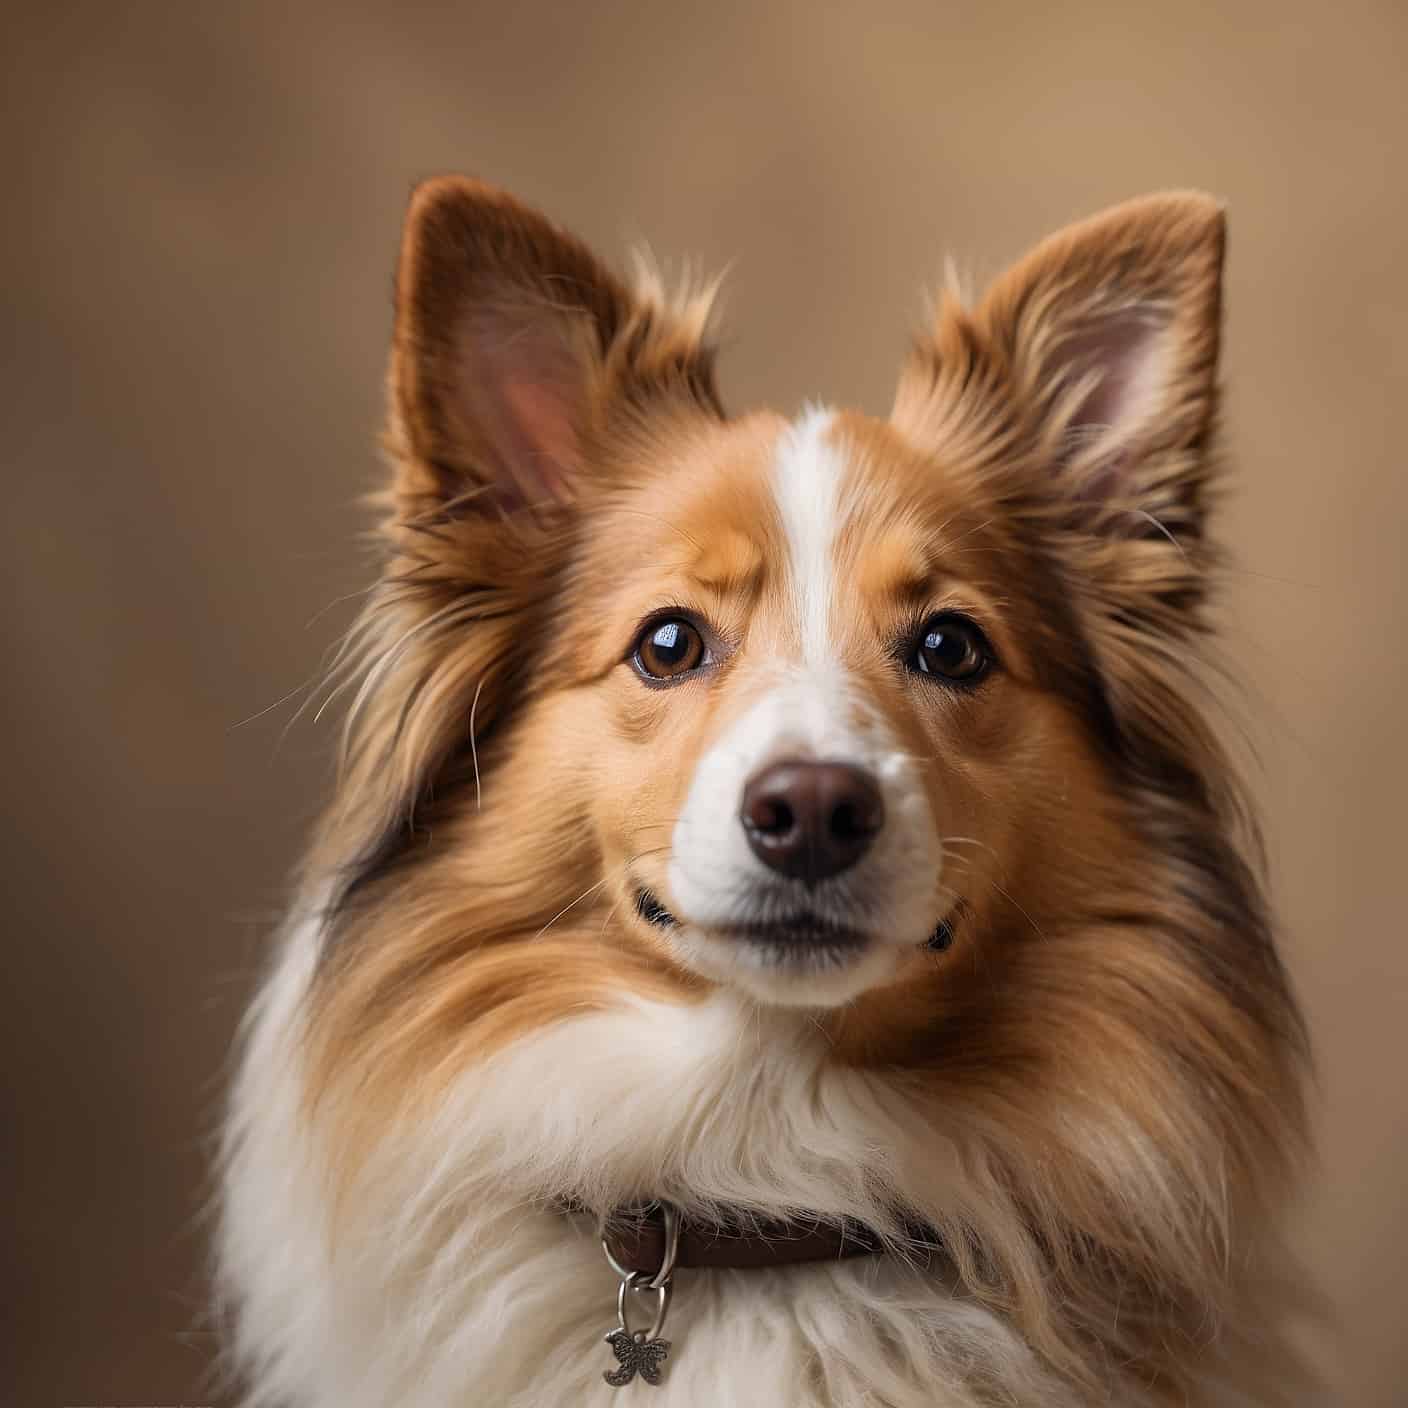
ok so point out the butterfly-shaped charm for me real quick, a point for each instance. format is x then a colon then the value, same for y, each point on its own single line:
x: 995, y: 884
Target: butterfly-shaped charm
x: 637, y: 1355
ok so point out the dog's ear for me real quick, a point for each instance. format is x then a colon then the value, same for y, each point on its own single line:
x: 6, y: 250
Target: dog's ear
x: 513, y: 343
x: 1093, y: 361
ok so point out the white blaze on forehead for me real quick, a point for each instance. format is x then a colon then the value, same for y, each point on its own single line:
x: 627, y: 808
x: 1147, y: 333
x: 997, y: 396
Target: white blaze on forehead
x: 807, y: 477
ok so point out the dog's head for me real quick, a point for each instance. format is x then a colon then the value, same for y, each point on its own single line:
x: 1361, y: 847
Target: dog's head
x: 797, y: 705
x: 889, y: 719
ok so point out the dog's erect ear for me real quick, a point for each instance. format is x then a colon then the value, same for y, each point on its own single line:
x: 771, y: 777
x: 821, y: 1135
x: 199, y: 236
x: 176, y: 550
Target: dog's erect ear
x: 1098, y: 351
x: 512, y: 341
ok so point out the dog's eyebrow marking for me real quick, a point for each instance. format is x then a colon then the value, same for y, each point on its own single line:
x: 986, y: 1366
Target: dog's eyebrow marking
x: 807, y: 478
x: 896, y: 565
x: 728, y: 561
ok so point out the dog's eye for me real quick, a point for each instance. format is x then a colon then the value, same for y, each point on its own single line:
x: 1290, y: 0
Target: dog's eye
x: 668, y: 649
x: 951, y: 648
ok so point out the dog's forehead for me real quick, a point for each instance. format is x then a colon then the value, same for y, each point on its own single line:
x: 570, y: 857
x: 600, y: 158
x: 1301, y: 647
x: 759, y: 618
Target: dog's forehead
x: 851, y: 491
x: 765, y: 498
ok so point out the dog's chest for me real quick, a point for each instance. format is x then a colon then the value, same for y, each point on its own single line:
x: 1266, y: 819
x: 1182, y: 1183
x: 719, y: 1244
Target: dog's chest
x: 453, y: 1280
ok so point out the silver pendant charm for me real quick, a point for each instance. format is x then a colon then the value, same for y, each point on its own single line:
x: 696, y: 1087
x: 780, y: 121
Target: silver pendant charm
x: 642, y: 1352
x: 638, y: 1351
x: 638, y: 1354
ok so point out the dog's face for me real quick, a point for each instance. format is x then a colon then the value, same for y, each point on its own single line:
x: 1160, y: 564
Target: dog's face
x: 806, y: 711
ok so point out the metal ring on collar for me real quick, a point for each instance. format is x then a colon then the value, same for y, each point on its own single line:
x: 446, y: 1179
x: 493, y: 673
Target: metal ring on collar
x: 661, y: 1278
x: 636, y: 1281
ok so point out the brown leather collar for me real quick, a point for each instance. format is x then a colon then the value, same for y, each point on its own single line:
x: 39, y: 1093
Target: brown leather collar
x: 635, y: 1238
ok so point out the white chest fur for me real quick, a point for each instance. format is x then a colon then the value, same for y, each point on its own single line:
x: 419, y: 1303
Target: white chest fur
x: 451, y: 1282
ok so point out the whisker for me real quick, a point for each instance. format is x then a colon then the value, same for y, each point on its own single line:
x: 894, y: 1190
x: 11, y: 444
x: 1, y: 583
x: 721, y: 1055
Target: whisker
x: 641, y: 855
x: 474, y: 747
x: 1035, y: 926
x: 591, y: 889
x: 947, y: 841
x: 610, y: 915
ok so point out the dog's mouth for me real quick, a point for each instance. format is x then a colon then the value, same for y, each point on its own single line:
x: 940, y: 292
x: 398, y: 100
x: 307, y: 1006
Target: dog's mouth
x: 795, y: 934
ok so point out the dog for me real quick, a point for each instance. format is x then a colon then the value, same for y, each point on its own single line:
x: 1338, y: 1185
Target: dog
x: 786, y: 931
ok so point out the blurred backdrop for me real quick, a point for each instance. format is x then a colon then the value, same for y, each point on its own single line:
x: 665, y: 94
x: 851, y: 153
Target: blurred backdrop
x: 204, y: 209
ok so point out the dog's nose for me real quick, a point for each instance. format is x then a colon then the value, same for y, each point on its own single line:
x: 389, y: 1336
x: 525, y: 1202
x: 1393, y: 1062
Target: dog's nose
x: 811, y: 820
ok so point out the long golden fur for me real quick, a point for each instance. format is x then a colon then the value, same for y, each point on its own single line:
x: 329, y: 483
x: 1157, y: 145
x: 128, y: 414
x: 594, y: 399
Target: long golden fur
x: 1111, y: 1028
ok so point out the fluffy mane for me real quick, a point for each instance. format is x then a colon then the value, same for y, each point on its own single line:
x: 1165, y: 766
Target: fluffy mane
x: 1097, y: 1106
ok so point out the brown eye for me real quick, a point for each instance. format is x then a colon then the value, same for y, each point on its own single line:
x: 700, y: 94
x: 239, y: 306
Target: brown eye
x: 950, y: 648
x: 668, y: 649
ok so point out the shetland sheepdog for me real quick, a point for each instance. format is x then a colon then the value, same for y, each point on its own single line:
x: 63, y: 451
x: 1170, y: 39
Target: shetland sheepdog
x: 786, y: 931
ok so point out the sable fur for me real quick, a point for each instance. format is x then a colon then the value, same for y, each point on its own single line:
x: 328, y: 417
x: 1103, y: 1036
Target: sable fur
x: 1094, y: 1097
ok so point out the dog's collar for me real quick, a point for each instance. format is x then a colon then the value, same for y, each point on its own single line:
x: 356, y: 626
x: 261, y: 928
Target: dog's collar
x: 636, y: 1239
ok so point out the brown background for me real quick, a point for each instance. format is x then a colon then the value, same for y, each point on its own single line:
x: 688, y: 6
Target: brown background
x: 198, y: 256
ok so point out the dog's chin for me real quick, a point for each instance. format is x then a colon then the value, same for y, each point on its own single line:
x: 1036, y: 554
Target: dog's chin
x: 798, y: 962
x: 783, y: 975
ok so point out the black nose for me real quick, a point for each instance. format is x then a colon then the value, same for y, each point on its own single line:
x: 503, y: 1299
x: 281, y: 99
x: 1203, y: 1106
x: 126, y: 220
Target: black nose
x: 811, y: 820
